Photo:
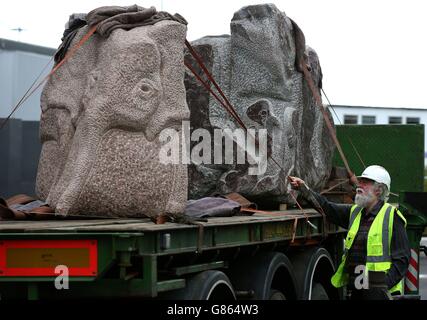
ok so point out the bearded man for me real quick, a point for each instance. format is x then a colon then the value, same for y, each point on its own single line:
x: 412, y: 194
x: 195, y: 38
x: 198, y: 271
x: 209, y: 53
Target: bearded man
x: 376, y: 249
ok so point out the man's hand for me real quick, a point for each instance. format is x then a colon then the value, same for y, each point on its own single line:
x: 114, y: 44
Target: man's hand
x: 296, y: 183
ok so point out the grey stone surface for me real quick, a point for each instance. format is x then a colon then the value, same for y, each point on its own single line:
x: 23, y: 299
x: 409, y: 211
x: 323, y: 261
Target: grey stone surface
x: 255, y: 66
x: 102, y: 112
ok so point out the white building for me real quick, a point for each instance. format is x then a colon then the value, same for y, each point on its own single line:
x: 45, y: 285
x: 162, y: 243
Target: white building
x: 378, y: 115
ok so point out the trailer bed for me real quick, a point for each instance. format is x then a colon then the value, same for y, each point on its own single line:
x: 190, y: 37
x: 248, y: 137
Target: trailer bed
x: 148, y: 238
x: 146, y: 225
x: 138, y: 257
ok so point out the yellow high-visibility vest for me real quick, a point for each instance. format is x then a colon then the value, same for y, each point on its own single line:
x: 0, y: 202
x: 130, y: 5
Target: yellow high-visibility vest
x: 378, y: 256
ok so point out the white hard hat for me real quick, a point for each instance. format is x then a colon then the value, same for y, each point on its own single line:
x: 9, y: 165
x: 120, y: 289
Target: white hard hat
x: 378, y: 174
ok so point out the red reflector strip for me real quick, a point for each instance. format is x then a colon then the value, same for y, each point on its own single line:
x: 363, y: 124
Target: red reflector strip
x: 411, y: 280
x: 41, y: 257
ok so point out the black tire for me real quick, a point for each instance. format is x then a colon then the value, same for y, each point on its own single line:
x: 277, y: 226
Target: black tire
x: 264, y: 274
x: 313, y: 271
x: 277, y: 295
x: 207, y: 285
x: 318, y: 292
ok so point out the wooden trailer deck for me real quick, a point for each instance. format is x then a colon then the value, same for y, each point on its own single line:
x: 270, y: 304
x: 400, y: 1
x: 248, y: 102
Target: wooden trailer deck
x: 146, y: 225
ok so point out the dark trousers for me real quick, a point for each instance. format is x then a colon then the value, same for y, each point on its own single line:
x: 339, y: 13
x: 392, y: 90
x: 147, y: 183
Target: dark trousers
x: 370, y: 294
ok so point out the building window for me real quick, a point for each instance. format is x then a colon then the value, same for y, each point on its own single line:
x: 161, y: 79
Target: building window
x: 350, y: 119
x: 413, y: 120
x: 368, y: 119
x: 395, y: 120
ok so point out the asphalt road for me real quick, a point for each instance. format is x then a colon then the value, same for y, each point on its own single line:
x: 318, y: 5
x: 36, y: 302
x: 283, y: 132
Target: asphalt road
x: 423, y: 271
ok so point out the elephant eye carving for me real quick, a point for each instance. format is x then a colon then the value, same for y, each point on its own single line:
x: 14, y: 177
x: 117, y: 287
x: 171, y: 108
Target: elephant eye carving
x: 146, y: 89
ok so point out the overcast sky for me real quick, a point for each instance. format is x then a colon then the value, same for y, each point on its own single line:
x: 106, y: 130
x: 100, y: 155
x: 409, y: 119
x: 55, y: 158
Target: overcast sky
x: 372, y: 52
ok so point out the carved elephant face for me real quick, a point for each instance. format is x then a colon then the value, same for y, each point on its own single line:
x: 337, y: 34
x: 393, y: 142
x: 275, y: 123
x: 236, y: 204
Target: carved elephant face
x: 102, y: 113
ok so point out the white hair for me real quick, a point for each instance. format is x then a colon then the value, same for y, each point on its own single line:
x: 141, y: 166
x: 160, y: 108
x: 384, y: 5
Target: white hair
x: 384, y: 192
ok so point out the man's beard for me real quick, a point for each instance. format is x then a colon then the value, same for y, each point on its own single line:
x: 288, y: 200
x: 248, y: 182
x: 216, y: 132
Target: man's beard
x: 364, y: 199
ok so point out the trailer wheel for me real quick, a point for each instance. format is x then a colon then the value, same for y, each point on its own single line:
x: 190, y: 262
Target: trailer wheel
x: 207, y: 285
x: 277, y: 295
x: 268, y: 275
x: 318, y: 292
x: 313, y: 270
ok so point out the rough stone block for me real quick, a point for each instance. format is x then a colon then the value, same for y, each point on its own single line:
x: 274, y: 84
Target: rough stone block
x: 255, y: 67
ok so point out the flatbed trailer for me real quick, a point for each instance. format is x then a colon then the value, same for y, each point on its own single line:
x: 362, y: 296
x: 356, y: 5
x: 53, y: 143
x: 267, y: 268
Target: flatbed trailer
x: 138, y: 258
x: 289, y: 254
